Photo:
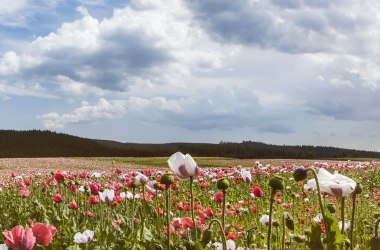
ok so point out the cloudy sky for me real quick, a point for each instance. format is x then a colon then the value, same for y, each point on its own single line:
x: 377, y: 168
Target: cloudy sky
x: 279, y: 71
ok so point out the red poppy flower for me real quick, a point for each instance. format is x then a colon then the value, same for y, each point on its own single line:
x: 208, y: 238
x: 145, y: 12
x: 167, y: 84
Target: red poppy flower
x: 93, y: 200
x: 57, y: 198
x: 72, y: 205
x: 58, y: 176
x: 44, y: 233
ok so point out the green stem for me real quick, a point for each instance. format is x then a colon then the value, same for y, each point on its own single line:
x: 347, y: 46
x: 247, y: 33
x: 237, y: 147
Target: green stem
x: 168, y: 216
x: 377, y: 228
x: 224, y: 210
x: 321, y: 204
x: 270, y: 218
x: 342, y: 215
x: 352, y: 221
x: 283, y: 233
x: 192, y: 207
x: 221, y: 228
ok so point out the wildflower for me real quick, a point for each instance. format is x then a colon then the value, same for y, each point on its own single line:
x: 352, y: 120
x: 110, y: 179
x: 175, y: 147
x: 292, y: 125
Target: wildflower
x: 44, y: 233
x: 333, y: 184
x: 58, y: 176
x: 246, y: 175
x: 57, y: 198
x: 93, y: 200
x: 218, y: 197
x: 19, y: 238
x: 72, y: 205
x: 346, y: 225
x: 83, y: 238
x: 183, y: 165
x: 141, y: 179
x: 264, y: 220
x: 107, y: 195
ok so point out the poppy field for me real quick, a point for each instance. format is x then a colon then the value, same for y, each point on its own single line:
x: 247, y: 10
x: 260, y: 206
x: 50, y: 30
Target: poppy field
x: 185, y: 203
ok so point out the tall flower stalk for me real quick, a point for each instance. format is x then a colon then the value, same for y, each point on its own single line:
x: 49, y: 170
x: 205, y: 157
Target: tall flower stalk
x: 358, y: 190
x: 167, y: 180
x: 276, y: 184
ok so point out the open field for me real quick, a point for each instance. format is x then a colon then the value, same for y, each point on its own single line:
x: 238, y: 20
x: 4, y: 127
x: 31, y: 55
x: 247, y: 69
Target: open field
x: 122, y: 202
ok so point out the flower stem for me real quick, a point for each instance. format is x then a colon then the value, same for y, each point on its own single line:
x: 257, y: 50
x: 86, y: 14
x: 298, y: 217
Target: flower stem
x: 283, y: 233
x: 192, y: 207
x: 168, y: 216
x: 221, y: 228
x: 342, y: 215
x: 321, y: 204
x: 270, y: 217
x: 224, y: 210
x: 352, y: 221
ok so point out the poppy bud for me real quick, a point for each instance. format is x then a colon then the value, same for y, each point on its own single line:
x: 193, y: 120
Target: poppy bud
x: 206, y: 237
x: 300, y: 174
x: 135, y: 184
x: 358, y: 188
x: 289, y: 222
x: 331, y: 207
x: 167, y: 180
x: 223, y: 184
x: 276, y: 183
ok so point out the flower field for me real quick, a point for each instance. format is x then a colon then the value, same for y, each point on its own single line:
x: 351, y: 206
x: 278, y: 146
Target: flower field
x: 206, y: 203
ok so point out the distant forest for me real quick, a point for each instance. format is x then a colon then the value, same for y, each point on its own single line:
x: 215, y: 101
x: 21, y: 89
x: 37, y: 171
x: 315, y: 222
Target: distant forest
x: 36, y: 143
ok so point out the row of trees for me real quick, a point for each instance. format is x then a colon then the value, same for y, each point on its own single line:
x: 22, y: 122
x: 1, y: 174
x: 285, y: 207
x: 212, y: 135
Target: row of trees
x: 36, y: 143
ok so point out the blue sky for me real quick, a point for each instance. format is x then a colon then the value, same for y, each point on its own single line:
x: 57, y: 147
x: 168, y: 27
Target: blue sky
x: 279, y: 71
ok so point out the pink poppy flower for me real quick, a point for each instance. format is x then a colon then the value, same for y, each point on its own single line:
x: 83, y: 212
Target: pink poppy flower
x: 19, y: 238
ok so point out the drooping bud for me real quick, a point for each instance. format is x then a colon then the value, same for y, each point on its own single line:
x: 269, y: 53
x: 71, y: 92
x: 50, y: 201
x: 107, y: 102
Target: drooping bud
x: 289, y: 222
x: 223, y: 184
x: 276, y: 183
x: 358, y: 188
x: 206, y: 237
x: 167, y: 180
x: 300, y: 174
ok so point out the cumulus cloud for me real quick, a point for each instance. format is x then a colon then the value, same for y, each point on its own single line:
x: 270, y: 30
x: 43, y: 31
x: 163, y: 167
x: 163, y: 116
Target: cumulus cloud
x: 146, y: 40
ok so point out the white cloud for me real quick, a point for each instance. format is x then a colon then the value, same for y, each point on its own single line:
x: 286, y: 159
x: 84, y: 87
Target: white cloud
x: 151, y: 41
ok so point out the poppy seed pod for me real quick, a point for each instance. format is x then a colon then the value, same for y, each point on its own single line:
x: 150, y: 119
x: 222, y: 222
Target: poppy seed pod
x: 300, y: 174
x: 167, y: 180
x: 358, y: 188
x: 276, y: 183
x: 223, y: 184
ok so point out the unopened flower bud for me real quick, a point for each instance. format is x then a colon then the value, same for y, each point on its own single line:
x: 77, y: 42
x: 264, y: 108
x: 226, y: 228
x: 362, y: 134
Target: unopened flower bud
x: 358, y: 188
x: 300, y: 174
x: 206, y: 237
x: 223, y: 184
x: 276, y: 183
x: 167, y: 180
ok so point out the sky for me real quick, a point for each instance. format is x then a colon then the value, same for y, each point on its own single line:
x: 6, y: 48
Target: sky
x: 294, y: 72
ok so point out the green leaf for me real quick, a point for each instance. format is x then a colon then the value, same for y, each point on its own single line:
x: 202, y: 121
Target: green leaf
x: 315, y: 237
x: 335, y: 234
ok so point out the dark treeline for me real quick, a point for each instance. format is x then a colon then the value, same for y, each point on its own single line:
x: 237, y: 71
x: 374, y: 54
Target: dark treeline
x: 35, y: 143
